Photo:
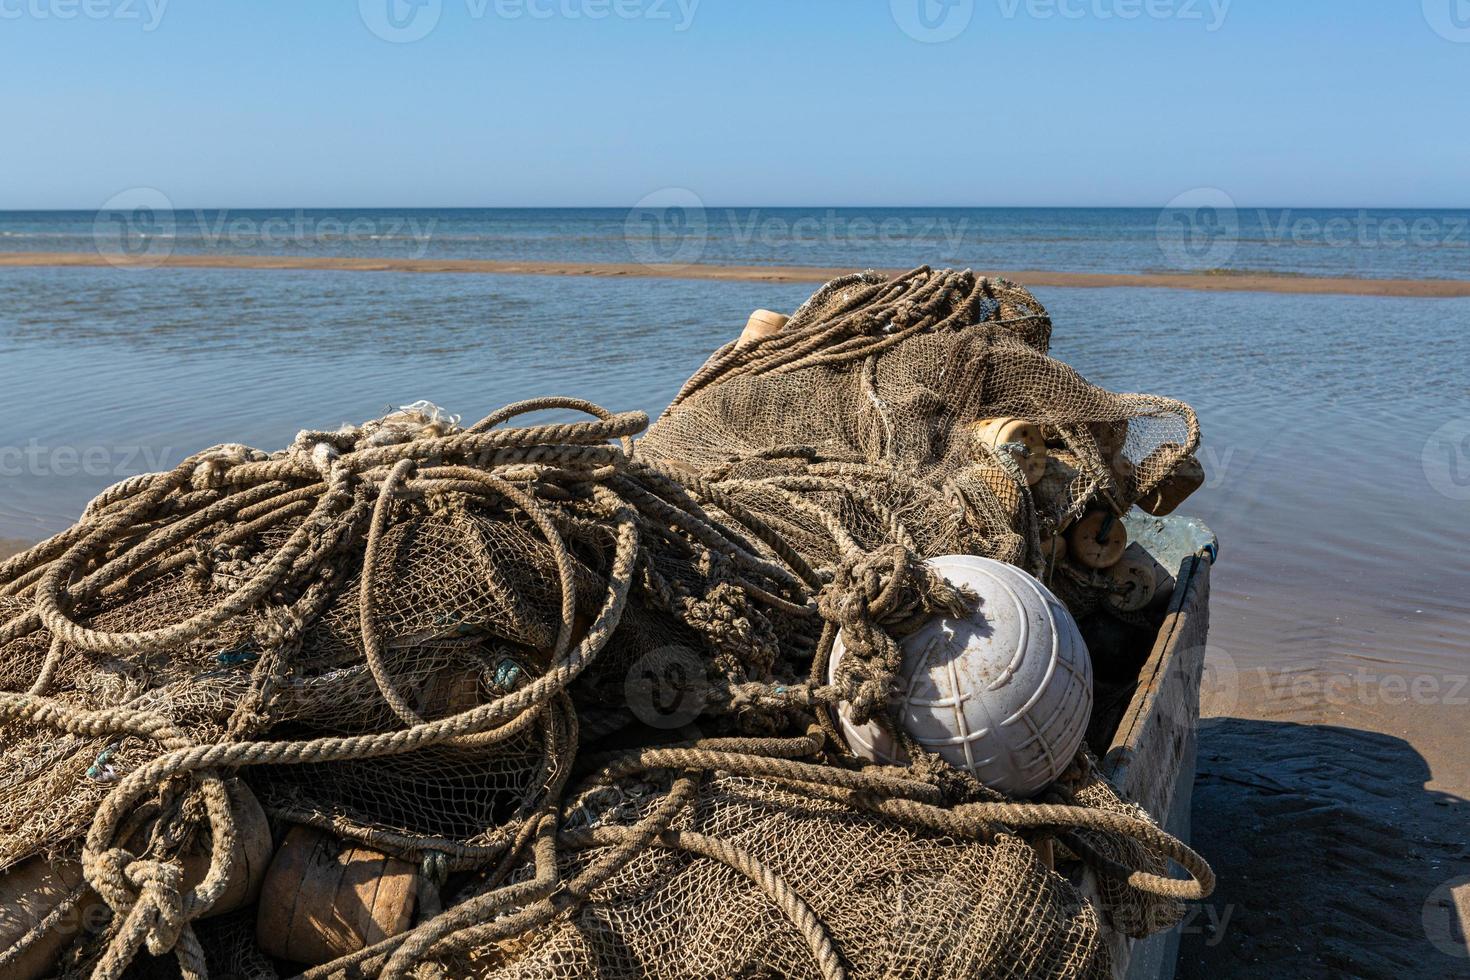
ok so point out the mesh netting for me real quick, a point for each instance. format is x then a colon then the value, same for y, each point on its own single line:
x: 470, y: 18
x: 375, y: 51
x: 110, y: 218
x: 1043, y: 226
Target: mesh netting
x: 580, y: 687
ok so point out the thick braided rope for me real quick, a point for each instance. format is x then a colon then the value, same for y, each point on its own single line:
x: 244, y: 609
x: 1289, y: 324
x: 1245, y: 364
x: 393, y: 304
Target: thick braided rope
x: 162, y: 920
x: 157, y: 916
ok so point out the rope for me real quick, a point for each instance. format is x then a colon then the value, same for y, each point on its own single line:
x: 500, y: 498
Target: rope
x: 748, y: 566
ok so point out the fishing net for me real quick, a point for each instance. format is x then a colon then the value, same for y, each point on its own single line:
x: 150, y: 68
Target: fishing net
x: 580, y: 686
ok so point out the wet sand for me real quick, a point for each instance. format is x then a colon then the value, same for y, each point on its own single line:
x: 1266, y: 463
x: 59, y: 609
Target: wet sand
x: 1208, y: 282
x: 1339, y: 835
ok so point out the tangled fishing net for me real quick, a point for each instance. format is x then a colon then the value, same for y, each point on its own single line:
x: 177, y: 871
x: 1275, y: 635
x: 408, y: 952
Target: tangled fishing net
x: 580, y: 685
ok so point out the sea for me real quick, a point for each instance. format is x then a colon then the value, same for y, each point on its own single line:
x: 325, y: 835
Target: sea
x: 1336, y: 429
x: 1202, y: 231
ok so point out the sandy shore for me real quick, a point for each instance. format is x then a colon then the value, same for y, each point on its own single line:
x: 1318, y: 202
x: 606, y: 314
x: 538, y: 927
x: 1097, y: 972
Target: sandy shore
x: 1253, y: 283
x: 1339, y: 837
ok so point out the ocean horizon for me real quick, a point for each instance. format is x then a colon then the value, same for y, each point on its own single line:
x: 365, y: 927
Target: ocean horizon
x: 1203, y: 232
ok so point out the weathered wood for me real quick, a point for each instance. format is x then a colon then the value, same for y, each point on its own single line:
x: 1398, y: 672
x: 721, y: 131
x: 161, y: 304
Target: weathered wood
x: 1151, y: 759
x: 324, y: 898
x: 29, y: 892
x: 762, y: 324
x: 1098, y: 540
x: 1187, y: 477
x: 1163, y: 719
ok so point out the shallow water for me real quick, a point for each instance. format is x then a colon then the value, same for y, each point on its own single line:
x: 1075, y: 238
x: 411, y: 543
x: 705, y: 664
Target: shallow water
x: 1339, y: 509
x: 1203, y: 231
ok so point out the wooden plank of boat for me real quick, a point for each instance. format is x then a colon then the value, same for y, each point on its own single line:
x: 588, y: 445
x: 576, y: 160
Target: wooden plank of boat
x: 1152, y: 757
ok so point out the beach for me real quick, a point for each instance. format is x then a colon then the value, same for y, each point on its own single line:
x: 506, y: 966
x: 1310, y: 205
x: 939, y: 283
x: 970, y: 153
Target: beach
x: 1331, y: 795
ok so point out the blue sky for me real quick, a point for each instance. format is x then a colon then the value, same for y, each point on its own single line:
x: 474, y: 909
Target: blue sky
x: 762, y: 102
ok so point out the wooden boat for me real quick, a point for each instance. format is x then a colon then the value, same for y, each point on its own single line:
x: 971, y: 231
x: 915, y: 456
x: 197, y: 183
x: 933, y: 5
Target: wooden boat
x: 1146, y: 731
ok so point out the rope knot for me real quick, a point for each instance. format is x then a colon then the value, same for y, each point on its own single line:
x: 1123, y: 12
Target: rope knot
x: 280, y: 626
x: 149, y: 893
x: 160, y: 897
x: 106, y: 872
x: 876, y: 598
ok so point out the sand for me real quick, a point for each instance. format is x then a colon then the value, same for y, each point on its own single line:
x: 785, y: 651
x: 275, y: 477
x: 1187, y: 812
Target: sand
x: 1226, y: 282
x: 1339, y: 835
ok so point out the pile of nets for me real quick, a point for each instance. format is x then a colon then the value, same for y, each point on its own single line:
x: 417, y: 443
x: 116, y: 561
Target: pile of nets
x: 579, y: 685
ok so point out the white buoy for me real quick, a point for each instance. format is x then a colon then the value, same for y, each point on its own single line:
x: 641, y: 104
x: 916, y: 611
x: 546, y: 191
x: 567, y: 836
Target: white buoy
x: 1005, y: 693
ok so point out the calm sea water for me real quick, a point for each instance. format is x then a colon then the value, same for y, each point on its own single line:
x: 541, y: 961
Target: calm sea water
x: 1204, y: 231
x: 1337, y: 430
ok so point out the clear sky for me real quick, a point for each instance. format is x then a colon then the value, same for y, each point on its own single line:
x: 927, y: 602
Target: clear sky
x: 762, y: 102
